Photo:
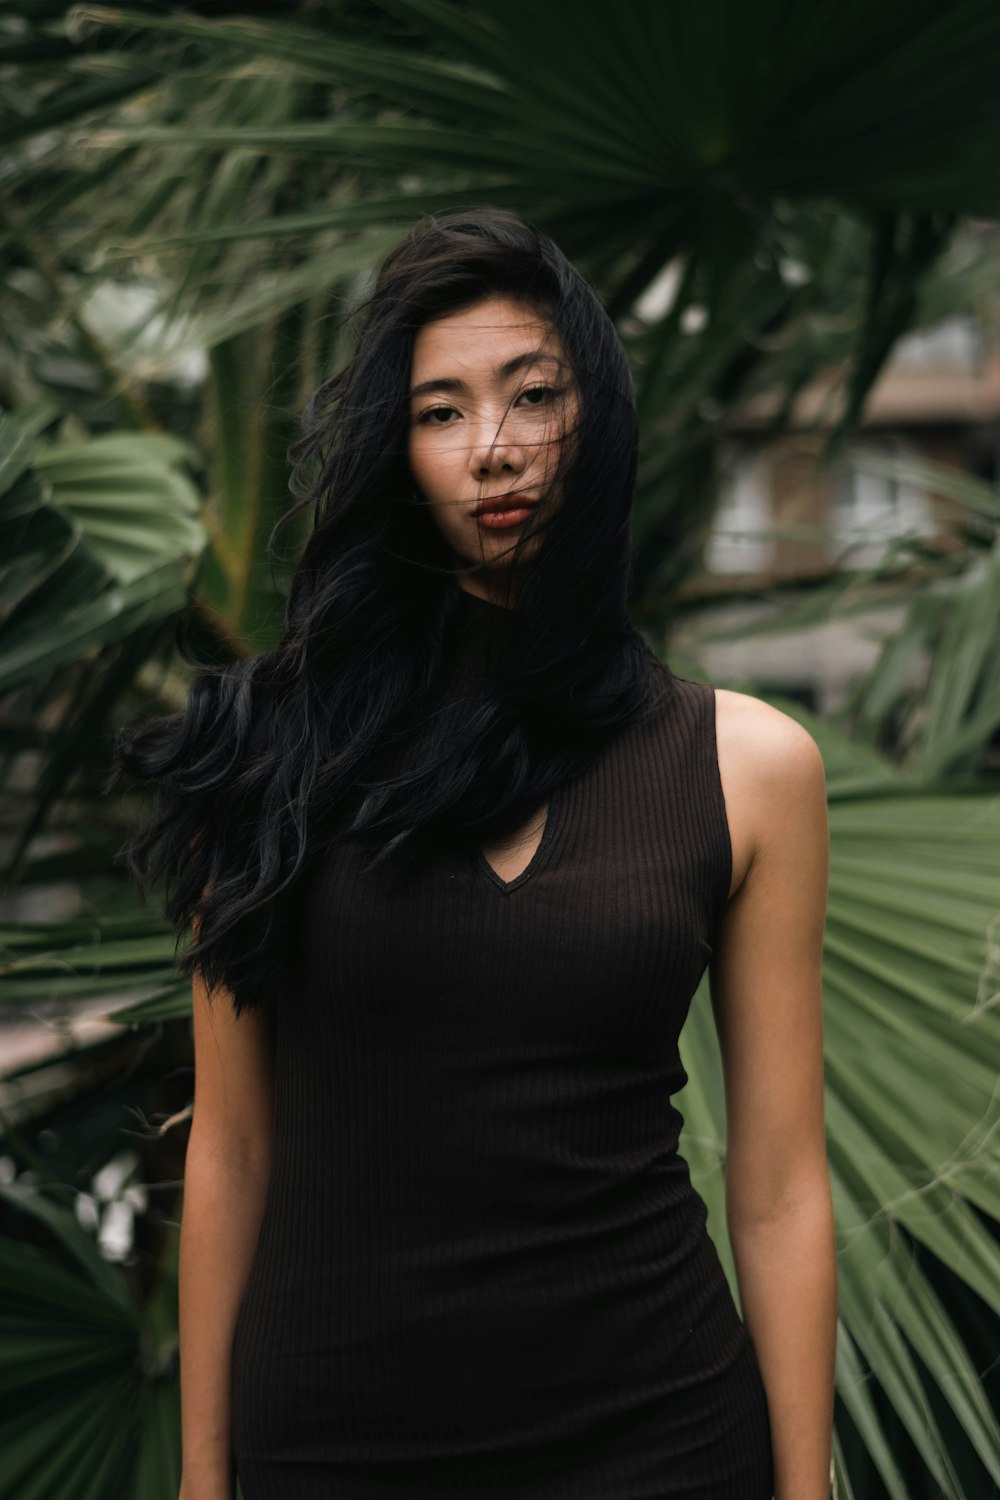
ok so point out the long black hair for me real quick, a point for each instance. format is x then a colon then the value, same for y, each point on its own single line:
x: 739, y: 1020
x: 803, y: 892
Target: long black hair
x: 347, y: 727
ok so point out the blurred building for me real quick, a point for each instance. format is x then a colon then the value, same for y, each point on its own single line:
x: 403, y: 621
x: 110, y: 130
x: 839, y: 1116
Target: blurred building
x: 938, y: 400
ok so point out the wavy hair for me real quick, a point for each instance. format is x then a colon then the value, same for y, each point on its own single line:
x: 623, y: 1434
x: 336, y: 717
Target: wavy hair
x: 352, y: 724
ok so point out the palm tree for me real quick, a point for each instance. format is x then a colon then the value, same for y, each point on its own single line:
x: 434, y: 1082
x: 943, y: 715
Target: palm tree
x: 801, y: 179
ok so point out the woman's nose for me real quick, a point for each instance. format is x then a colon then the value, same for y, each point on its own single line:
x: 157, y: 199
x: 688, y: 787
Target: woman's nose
x: 495, y: 455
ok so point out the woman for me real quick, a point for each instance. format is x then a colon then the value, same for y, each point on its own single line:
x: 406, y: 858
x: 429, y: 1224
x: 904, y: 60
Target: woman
x: 457, y: 853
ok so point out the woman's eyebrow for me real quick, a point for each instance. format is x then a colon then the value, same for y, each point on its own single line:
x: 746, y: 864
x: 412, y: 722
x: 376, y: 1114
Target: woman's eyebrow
x: 500, y: 372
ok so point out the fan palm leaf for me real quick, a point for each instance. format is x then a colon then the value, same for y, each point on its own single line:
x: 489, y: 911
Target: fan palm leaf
x: 89, y: 1411
x: 912, y: 1047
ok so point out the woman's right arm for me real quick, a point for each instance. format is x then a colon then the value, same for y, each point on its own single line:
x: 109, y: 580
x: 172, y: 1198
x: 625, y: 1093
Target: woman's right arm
x: 225, y: 1182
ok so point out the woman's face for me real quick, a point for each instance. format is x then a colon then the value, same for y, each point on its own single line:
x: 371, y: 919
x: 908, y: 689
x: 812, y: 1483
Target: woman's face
x: 492, y: 400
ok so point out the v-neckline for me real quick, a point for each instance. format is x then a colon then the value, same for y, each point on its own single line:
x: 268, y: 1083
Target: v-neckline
x: 537, y: 861
x: 485, y: 626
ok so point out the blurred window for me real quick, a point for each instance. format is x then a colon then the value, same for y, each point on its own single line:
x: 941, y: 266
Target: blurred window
x: 870, y: 510
x: 740, y: 540
x: 956, y: 343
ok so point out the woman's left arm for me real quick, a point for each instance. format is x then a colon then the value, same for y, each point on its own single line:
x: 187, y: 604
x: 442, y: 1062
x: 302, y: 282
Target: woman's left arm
x: 766, y: 987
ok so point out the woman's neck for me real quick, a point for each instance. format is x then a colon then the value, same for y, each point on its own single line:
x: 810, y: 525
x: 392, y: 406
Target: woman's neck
x: 474, y: 589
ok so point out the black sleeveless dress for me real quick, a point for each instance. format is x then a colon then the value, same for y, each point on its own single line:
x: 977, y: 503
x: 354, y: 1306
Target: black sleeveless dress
x: 482, y: 1267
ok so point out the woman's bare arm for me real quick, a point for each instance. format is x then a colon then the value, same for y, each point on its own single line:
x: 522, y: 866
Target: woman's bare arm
x: 766, y: 985
x: 225, y: 1182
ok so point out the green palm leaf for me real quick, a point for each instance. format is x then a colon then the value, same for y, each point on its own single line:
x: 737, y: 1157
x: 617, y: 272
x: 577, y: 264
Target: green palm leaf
x: 912, y: 1057
x: 100, y: 538
x: 84, y: 1413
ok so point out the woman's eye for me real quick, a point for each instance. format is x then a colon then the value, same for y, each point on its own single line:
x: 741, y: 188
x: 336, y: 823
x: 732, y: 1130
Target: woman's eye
x: 428, y: 416
x: 544, y: 391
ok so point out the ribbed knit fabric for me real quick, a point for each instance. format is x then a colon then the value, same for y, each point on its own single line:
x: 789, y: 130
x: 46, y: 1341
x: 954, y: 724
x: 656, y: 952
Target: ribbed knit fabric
x: 482, y: 1267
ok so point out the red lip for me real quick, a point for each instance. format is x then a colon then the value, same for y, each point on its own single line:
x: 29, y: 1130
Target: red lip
x: 515, y: 501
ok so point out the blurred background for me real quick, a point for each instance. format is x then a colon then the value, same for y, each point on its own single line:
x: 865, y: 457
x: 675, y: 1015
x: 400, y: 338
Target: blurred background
x: 792, y: 211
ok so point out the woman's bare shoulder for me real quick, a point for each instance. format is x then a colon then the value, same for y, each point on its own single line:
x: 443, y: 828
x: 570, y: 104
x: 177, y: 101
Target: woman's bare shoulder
x: 764, y: 755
